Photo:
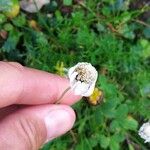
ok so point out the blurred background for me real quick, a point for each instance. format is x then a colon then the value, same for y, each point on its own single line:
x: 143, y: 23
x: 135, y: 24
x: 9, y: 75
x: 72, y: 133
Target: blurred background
x: 114, y: 36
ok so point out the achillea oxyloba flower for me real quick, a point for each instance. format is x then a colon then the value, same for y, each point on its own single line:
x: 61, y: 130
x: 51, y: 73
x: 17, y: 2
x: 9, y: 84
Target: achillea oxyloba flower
x: 144, y: 132
x: 83, y: 77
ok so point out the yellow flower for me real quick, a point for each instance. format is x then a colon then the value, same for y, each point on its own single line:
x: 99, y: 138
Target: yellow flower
x: 60, y: 68
x: 33, y: 24
x: 96, y: 97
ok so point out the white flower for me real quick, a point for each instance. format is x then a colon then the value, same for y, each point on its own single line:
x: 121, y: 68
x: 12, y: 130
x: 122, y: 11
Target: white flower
x: 144, y: 132
x: 83, y: 77
x: 33, y: 6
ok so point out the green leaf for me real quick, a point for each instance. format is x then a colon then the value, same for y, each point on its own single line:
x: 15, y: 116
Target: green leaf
x: 145, y: 47
x: 126, y: 31
x: 12, y: 41
x: 82, y: 126
x: 110, y: 90
x: 108, y: 108
x: 130, y: 123
x: 125, y: 17
x: 2, y: 18
x: 78, y: 18
x: 84, y: 144
x: 19, y: 21
x: 122, y: 111
x: 145, y: 90
x: 106, y: 11
x: 67, y: 2
x: 115, y: 126
x: 100, y: 27
x: 58, y: 16
x: 113, y: 145
x: 119, y: 136
x: 94, y: 139
x: 98, y: 116
x: 8, y: 27
x: 104, y: 141
x: 131, y: 147
x: 109, y: 1
x: 147, y: 32
x: 115, y: 140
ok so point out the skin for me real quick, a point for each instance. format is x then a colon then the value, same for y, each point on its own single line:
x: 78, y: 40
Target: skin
x: 29, y: 116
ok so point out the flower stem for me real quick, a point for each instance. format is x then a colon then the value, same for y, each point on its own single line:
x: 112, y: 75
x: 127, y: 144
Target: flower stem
x: 62, y: 95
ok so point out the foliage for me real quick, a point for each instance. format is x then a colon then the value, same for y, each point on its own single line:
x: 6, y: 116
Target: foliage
x: 106, y: 33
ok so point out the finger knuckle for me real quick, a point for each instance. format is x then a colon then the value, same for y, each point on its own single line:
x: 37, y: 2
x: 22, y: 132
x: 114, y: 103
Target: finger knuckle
x: 17, y: 65
x: 29, y: 130
x: 11, y: 78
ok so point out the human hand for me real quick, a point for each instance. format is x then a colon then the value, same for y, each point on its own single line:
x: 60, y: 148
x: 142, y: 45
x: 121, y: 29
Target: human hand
x: 28, y: 117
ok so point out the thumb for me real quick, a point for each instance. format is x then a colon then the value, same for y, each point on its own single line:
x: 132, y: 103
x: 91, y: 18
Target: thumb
x: 30, y: 127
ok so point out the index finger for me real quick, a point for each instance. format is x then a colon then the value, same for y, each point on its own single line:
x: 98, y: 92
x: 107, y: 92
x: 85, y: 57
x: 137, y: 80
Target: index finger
x: 22, y: 85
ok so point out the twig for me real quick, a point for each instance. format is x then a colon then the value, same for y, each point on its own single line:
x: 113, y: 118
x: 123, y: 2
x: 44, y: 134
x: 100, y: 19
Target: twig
x: 141, y: 22
x: 89, y: 9
x: 73, y: 136
x: 114, y: 30
x: 137, y: 142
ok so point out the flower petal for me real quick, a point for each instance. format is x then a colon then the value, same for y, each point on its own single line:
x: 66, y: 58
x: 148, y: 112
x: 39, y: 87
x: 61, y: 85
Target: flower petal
x: 72, y: 78
x: 33, y: 6
x: 80, y: 88
x: 70, y: 72
x: 90, y: 90
x: 144, y: 132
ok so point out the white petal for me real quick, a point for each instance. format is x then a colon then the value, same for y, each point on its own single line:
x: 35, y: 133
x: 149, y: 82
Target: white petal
x: 147, y: 140
x: 144, y: 132
x: 90, y: 90
x: 80, y: 88
x: 45, y: 2
x: 72, y: 78
x: 75, y: 88
x: 83, y: 87
x: 31, y: 7
x: 71, y: 70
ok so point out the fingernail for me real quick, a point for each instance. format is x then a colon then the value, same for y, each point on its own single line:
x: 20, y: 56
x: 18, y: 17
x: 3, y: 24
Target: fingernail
x: 57, y: 123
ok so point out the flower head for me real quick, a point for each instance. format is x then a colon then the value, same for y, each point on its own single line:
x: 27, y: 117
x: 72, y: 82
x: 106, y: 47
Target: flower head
x: 83, y: 77
x: 144, y: 132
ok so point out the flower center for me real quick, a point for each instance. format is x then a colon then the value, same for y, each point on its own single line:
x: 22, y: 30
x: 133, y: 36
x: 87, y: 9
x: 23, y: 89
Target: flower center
x: 84, y: 75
